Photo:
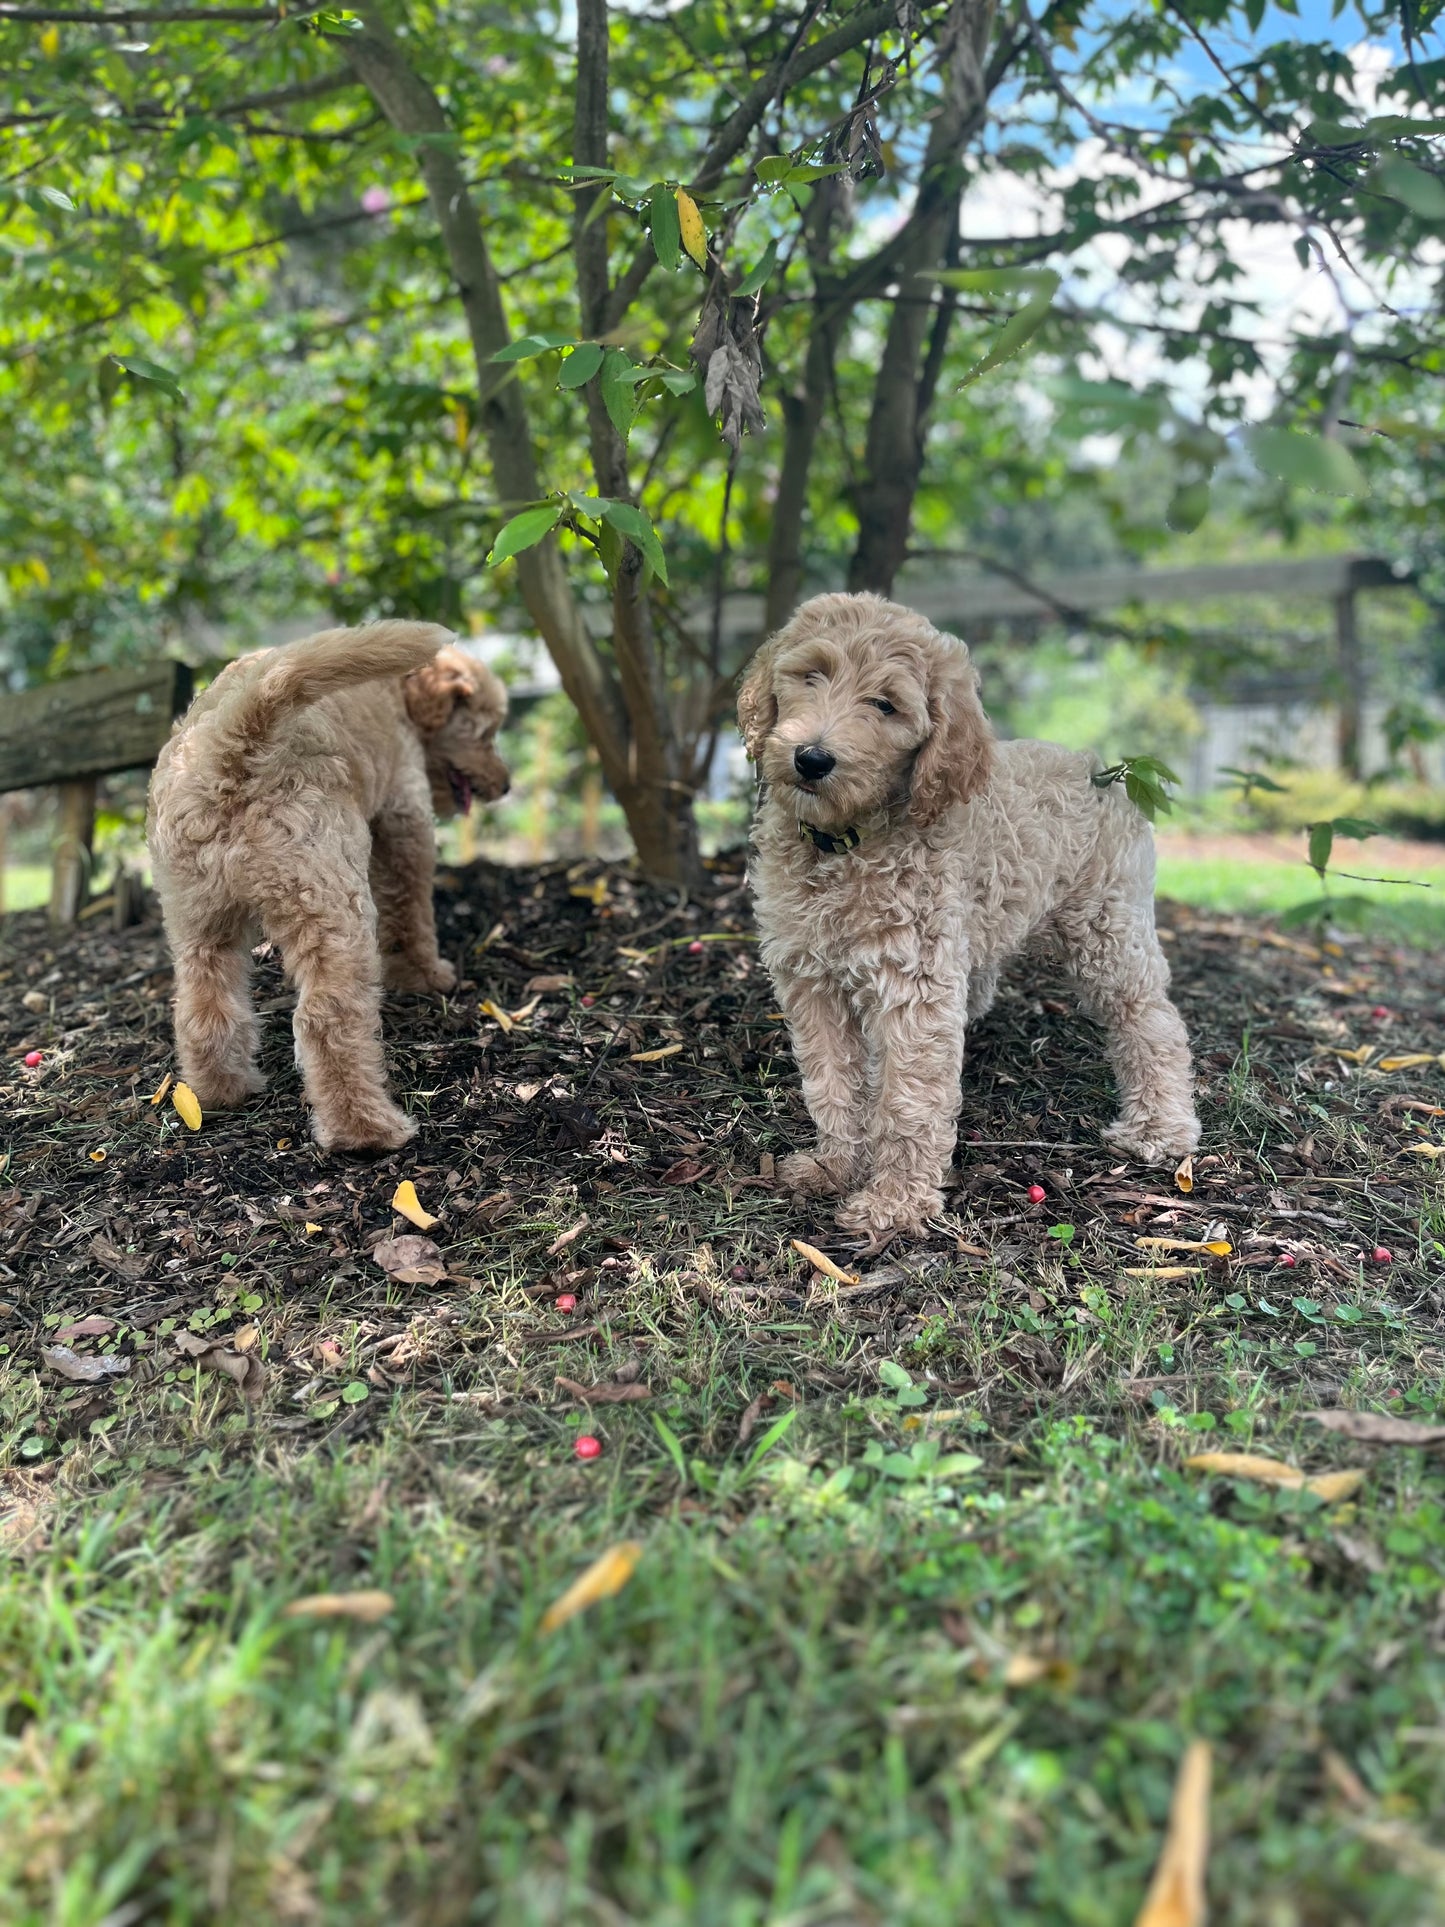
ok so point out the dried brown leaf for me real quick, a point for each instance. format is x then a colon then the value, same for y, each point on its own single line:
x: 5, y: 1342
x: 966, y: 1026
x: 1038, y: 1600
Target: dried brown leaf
x: 1379, y: 1428
x: 93, y: 1327
x: 410, y: 1260
x: 568, y: 1237
x: 366, y: 1606
x: 605, y: 1394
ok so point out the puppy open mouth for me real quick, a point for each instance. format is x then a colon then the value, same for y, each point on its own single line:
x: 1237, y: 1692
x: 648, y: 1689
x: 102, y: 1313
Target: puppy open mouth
x: 461, y: 790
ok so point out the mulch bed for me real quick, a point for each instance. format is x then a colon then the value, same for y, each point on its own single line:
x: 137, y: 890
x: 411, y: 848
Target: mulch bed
x: 617, y: 1143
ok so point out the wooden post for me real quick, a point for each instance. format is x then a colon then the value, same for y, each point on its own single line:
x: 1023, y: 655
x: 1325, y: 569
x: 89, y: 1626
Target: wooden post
x: 1352, y: 682
x: 74, y: 840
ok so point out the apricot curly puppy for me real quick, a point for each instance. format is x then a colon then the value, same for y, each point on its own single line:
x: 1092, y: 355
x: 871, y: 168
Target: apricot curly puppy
x: 296, y: 796
x: 901, y: 856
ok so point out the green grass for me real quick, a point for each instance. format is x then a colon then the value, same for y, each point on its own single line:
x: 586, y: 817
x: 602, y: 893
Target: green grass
x: 27, y: 886
x: 799, y: 1708
x: 1266, y: 888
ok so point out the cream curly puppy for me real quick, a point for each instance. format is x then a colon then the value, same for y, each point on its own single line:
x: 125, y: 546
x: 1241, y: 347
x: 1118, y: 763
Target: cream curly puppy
x: 296, y: 796
x: 901, y: 855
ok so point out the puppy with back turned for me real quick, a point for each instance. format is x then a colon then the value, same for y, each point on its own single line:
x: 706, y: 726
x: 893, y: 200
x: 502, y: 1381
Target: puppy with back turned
x: 295, y: 799
x: 901, y: 855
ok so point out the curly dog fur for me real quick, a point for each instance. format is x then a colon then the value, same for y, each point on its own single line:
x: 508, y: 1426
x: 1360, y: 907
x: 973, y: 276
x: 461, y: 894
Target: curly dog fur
x: 860, y: 715
x: 296, y: 795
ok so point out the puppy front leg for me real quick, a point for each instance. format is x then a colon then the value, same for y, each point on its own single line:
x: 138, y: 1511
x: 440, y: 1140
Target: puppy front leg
x: 916, y: 1041
x: 403, y: 863
x: 828, y: 1046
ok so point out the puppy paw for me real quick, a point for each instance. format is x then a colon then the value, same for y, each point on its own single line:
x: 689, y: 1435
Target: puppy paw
x: 891, y: 1209
x: 405, y: 973
x: 380, y: 1128
x: 225, y: 1090
x: 817, y: 1174
x: 1155, y: 1140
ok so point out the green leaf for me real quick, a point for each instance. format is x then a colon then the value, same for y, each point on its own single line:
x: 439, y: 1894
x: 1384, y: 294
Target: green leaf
x: 528, y: 347
x: 666, y: 232
x: 770, y: 1438
x: 617, y: 390
x: 1307, y: 461
x: 773, y: 169
x: 758, y: 273
x: 1421, y: 192
x: 1334, y: 133
x: 634, y: 524
x: 1322, y: 841
x: 151, y: 373
x: 56, y: 198
x: 678, y: 381
x: 524, y: 531
x: 1042, y: 284
x: 1400, y: 126
x: 581, y: 365
x: 893, y: 1376
x: 1358, y: 827
x: 1116, y: 401
x: 673, y: 1445
x: 355, y: 1392
x: 957, y: 1464
x: 1188, y: 506
x: 1312, y: 910
x: 1252, y: 779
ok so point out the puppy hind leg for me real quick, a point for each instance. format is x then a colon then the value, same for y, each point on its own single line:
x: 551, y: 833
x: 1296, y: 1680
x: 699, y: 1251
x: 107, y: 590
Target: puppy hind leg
x: 217, y: 1035
x: 1123, y: 979
x: 326, y: 935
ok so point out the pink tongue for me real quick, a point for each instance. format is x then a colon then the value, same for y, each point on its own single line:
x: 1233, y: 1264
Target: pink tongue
x: 465, y: 786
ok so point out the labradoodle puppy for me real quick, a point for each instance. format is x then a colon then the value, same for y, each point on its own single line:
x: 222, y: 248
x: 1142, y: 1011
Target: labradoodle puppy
x: 901, y: 855
x: 296, y: 795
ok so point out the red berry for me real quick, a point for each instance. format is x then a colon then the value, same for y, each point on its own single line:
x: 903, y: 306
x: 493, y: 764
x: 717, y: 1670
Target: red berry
x: 566, y: 1301
x: 694, y: 949
x: 1037, y: 1194
x: 1380, y: 1010
x: 587, y: 1001
x: 32, y: 1058
x: 1379, y: 1256
x: 587, y: 1447
x: 1288, y: 1258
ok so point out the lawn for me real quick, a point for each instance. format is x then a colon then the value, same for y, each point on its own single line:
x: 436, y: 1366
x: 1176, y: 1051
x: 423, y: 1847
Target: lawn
x: 928, y: 1601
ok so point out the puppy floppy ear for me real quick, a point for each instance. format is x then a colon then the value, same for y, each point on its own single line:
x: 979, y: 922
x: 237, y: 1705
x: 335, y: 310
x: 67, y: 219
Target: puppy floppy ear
x: 432, y: 692
x: 956, y: 759
x: 757, y: 700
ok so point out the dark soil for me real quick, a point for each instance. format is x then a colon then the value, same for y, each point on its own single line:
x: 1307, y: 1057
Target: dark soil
x: 558, y: 1159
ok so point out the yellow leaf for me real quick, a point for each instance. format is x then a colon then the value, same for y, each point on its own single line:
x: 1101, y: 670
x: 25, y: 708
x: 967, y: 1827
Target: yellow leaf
x: 690, y: 227
x: 633, y: 956
x: 655, y: 1056
x: 1176, y: 1893
x: 1184, y: 1175
x: 1431, y: 1151
x: 283, y: 1144
x: 820, y: 1261
x: 603, y: 1578
x: 521, y: 1016
x: 497, y: 1014
x: 1217, y: 1247
x: 160, y: 1090
x: 1360, y: 1056
x: 405, y: 1200
x: 188, y: 1108
x: 1411, y: 1061
x: 98, y: 1155
x: 245, y: 1338
x: 594, y: 892
x: 1161, y: 1271
x: 1332, y: 1487
x: 1246, y: 1465
x: 50, y: 41
x: 341, y: 1605
x: 310, y: 1229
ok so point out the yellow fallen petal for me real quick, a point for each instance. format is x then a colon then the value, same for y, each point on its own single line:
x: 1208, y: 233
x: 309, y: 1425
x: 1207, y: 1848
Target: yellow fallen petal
x: 1176, y: 1893
x: 1184, y: 1174
x: 340, y: 1605
x: 160, y: 1090
x: 820, y: 1261
x: 187, y: 1105
x: 690, y: 227
x: 655, y: 1056
x: 633, y: 956
x: 1411, y: 1061
x: 521, y: 1016
x: 310, y: 1229
x: 245, y: 1338
x: 1431, y: 1151
x: 603, y: 1577
x: 405, y: 1200
x: 1360, y: 1056
x: 497, y: 1014
x: 594, y: 893
x: 1219, y: 1247
x: 1161, y: 1271
x: 1246, y: 1465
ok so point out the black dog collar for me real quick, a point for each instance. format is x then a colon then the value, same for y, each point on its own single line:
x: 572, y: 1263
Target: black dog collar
x: 831, y: 842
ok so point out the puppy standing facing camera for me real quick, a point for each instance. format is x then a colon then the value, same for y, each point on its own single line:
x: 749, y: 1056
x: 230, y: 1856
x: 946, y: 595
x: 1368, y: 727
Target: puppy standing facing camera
x: 295, y: 796
x: 901, y: 855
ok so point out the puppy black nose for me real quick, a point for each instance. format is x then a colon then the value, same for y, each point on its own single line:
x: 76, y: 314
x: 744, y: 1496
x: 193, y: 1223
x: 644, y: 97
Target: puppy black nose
x: 506, y: 785
x: 812, y: 761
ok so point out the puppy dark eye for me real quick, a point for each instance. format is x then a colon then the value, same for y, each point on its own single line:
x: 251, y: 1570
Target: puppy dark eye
x: 882, y: 703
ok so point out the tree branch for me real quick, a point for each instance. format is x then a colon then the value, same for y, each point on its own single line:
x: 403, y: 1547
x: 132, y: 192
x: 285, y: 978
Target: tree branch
x: 147, y: 16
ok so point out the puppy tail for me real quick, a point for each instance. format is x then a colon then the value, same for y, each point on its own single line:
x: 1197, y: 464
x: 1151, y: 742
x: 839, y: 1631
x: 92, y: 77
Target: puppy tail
x: 302, y: 672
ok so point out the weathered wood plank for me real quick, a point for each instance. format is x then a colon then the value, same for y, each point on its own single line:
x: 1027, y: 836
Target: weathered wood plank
x: 89, y: 725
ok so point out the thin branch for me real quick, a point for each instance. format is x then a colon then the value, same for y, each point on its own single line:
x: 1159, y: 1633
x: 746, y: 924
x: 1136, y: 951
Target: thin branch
x: 147, y: 16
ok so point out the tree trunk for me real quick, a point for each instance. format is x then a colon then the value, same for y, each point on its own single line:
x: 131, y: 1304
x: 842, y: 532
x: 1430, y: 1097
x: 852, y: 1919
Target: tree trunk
x: 893, y: 461
x: 606, y: 709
